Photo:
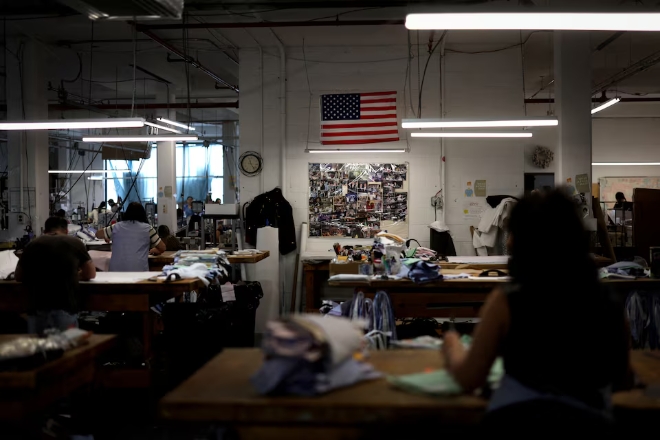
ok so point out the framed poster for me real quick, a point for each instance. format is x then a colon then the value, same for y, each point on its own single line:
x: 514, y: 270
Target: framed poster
x: 358, y: 200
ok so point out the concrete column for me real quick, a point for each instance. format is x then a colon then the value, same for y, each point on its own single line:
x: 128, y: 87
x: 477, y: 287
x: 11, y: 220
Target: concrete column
x: 230, y: 173
x: 573, y: 107
x: 28, y: 150
x: 573, y: 104
x: 167, y: 177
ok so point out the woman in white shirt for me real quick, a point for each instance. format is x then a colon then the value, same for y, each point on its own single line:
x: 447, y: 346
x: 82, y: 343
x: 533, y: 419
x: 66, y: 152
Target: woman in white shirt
x: 94, y: 215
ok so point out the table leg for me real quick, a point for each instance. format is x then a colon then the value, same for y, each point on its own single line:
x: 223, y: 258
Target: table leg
x: 147, y: 334
x: 310, y: 290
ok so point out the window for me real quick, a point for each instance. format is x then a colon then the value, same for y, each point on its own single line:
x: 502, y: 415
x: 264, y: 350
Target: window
x: 198, y: 170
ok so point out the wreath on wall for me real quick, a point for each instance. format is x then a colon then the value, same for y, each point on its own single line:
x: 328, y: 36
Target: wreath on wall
x: 542, y: 157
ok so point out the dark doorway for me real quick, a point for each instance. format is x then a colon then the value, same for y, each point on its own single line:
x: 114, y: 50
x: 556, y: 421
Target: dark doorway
x: 540, y: 181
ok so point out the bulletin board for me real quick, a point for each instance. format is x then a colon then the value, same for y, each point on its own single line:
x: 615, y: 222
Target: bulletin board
x: 358, y: 200
x: 609, y: 186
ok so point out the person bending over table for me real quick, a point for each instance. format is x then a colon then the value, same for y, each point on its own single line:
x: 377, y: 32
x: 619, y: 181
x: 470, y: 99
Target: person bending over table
x: 563, y: 338
x: 132, y: 239
x: 171, y: 242
x: 50, y: 268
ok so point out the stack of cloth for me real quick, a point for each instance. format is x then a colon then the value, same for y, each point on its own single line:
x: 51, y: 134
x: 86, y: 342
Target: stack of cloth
x: 204, y: 265
x: 307, y: 355
x: 623, y: 269
x: 419, y: 271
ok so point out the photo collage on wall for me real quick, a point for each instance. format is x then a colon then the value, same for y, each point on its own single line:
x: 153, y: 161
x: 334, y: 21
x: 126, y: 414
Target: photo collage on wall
x: 358, y: 200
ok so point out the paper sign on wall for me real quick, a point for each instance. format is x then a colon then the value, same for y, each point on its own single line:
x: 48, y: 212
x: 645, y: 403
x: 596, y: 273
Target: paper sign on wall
x: 472, y: 209
x: 582, y: 183
x: 468, y: 190
x: 480, y: 188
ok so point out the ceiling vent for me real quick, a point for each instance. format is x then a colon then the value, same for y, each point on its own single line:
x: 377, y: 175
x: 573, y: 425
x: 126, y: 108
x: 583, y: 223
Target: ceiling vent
x: 128, y: 10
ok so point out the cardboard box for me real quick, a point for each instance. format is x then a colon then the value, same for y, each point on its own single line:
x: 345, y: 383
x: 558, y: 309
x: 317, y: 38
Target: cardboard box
x: 351, y: 268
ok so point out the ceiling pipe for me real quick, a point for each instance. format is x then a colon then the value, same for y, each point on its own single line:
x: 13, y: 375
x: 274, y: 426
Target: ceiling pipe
x: 267, y: 24
x: 598, y: 100
x: 151, y: 106
x: 633, y: 69
x: 183, y: 56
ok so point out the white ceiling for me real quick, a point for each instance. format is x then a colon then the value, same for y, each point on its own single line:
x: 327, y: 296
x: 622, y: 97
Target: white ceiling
x: 112, y: 51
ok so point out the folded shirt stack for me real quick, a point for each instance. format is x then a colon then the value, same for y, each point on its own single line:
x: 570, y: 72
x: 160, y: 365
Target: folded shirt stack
x: 307, y: 355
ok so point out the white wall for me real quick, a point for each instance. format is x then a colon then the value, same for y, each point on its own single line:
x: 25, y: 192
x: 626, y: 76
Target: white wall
x: 475, y: 86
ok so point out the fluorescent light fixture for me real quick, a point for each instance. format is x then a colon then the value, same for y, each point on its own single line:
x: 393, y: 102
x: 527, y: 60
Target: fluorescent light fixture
x: 558, y: 21
x: 95, y: 178
x: 140, y: 138
x: 471, y: 135
x: 478, y: 123
x: 161, y: 127
x: 64, y: 124
x: 86, y: 171
x: 176, y: 124
x: 363, y: 150
x: 641, y: 164
x: 605, y: 105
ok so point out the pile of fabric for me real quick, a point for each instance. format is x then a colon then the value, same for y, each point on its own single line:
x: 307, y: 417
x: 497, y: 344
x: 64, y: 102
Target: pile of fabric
x: 205, y: 265
x: 491, y: 236
x: 307, y: 355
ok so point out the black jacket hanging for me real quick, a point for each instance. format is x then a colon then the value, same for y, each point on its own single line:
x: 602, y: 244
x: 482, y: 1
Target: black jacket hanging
x: 271, y: 209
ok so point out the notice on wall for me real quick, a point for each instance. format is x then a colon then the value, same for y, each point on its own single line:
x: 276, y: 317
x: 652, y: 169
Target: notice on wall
x: 582, y: 183
x: 469, y: 192
x: 472, y: 209
x: 480, y: 188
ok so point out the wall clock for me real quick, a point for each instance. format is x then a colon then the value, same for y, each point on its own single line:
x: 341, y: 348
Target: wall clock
x: 250, y: 163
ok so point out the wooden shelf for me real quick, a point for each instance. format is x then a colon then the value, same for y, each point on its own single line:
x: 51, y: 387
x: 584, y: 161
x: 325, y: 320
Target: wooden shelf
x: 248, y: 259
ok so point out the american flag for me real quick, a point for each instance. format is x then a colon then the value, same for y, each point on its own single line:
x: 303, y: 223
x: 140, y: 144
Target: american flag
x: 358, y: 118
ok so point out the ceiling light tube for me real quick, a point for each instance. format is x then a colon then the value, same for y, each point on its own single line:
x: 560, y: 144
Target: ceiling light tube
x: 605, y: 105
x: 605, y: 164
x: 552, y: 21
x: 478, y: 123
x: 471, y: 135
x: 353, y: 151
x: 176, y: 124
x: 86, y: 171
x: 66, y: 124
x: 95, y: 178
x: 140, y: 138
x: 161, y: 127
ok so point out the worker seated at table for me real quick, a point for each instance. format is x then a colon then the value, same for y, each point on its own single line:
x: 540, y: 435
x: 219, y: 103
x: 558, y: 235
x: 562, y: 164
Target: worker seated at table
x: 50, y: 268
x: 132, y: 239
x: 171, y: 242
x: 563, y: 338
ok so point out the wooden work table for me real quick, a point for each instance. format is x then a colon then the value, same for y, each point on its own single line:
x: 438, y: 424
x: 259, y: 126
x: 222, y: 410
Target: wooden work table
x: 157, y: 262
x: 460, y: 298
x: 220, y: 392
x: 23, y: 393
x: 115, y: 296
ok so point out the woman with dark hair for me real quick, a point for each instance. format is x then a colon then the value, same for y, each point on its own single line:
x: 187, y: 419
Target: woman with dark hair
x: 132, y: 239
x: 94, y: 215
x: 563, y: 338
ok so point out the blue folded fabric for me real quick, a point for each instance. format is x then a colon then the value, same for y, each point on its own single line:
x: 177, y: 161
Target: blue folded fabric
x: 422, y: 272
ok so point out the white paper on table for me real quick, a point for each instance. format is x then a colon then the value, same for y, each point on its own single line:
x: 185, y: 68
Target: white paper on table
x: 121, y: 277
x: 473, y: 259
x: 228, y: 293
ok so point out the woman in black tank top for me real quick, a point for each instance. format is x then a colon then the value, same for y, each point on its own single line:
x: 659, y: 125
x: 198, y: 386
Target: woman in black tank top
x: 563, y: 337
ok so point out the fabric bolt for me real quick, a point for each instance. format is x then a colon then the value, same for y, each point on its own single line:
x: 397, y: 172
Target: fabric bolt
x: 131, y: 242
x: 284, y: 375
x: 343, y: 336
